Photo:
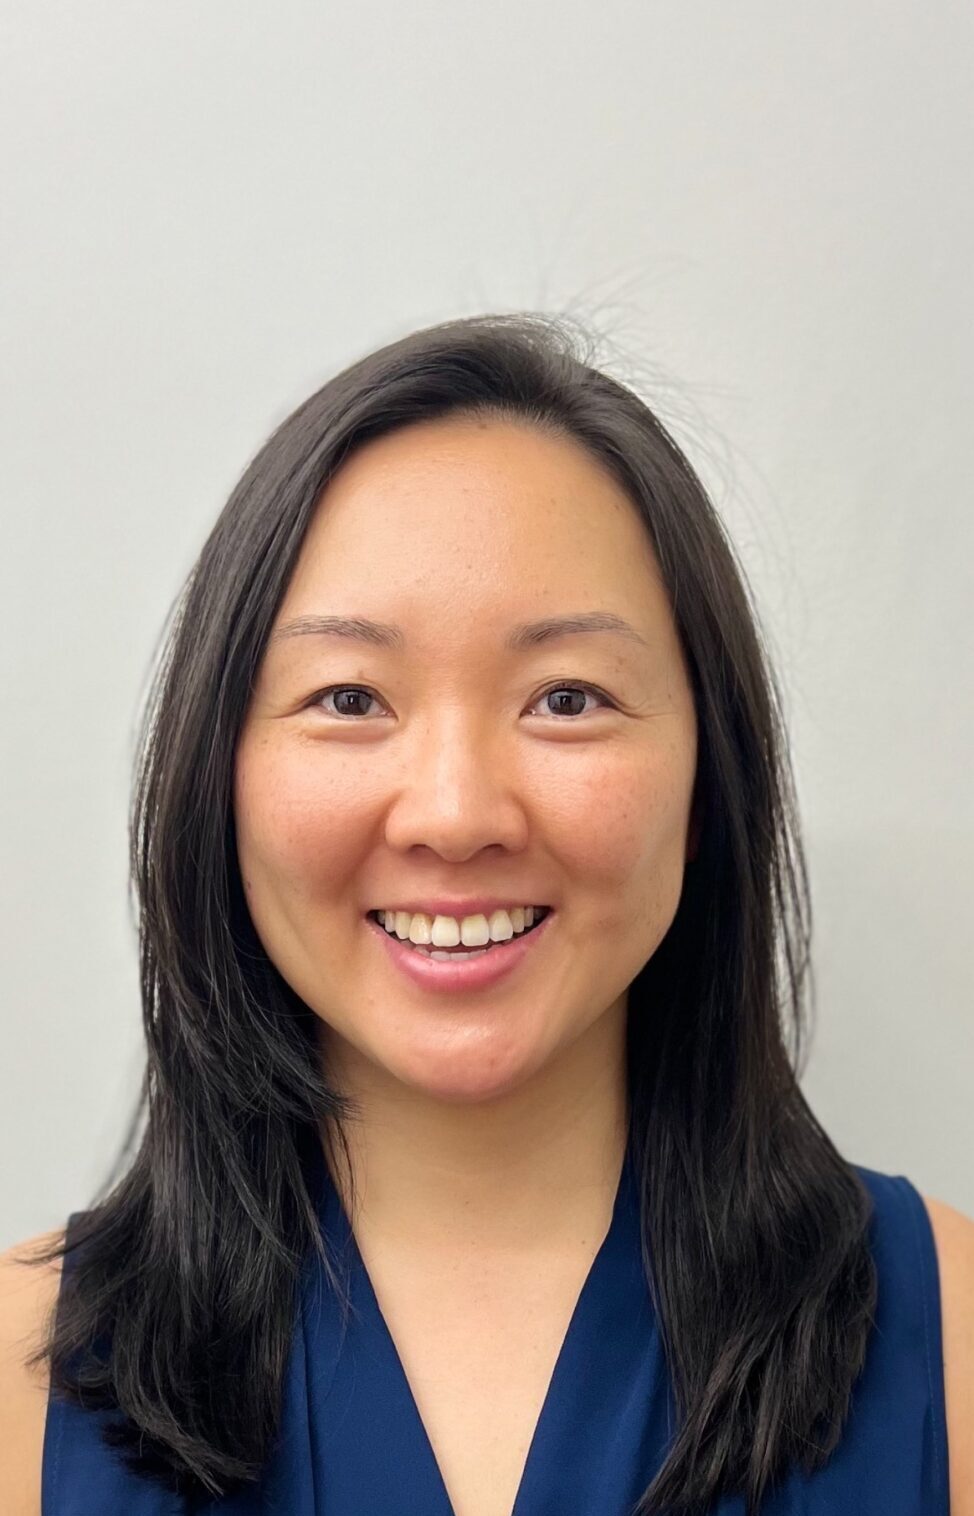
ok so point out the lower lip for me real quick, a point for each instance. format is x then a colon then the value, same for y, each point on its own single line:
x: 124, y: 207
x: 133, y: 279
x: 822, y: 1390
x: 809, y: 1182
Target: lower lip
x: 464, y: 973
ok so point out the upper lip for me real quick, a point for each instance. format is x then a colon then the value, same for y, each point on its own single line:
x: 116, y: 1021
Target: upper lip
x: 481, y: 905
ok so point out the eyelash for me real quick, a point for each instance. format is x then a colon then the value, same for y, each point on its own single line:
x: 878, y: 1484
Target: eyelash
x: 330, y: 689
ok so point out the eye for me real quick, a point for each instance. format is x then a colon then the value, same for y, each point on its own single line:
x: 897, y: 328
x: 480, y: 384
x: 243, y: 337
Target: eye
x: 584, y: 689
x: 341, y: 689
x: 360, y: 692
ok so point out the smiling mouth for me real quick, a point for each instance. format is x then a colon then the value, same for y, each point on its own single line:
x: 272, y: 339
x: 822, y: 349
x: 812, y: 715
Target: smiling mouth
x: 461, y: 951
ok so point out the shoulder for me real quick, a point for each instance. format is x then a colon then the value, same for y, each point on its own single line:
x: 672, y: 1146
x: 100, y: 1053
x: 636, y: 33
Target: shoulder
x: 953, y: 1234
x: 28, y: 1294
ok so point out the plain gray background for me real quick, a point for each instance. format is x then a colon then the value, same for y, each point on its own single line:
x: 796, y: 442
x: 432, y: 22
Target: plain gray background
x: 209, y: 209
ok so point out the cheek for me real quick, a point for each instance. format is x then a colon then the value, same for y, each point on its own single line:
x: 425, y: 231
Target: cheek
x: 290, y: 834
x: 622, y: 830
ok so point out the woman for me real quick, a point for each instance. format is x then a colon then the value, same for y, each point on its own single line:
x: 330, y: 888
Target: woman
x: 475, y: 1176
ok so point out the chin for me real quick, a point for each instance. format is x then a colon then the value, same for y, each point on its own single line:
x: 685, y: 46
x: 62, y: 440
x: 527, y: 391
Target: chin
x: 465, y: 1076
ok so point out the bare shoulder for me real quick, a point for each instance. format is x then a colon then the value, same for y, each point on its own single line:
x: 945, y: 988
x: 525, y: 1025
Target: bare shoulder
x: 28, y: 1293
x: 953, y: 1234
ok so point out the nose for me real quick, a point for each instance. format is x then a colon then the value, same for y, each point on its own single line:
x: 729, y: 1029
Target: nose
x: 459, y: 791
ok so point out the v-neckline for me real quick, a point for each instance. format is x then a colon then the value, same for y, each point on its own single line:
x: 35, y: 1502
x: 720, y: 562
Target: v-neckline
x: 624, y: 1204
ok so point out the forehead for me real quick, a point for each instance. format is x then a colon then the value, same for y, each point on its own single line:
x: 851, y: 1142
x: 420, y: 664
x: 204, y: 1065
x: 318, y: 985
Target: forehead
x: 485, y: 472
x: 458, y: 520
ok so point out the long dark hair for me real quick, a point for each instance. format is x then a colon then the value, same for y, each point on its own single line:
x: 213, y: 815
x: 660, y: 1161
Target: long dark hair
x: 178, y: 1309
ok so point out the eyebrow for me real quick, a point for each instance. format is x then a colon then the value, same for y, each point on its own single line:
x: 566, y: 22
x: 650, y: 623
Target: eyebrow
x: 527, y: 634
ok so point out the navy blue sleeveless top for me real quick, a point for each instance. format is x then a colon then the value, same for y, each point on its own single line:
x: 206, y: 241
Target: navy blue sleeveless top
x: 351, y: 1441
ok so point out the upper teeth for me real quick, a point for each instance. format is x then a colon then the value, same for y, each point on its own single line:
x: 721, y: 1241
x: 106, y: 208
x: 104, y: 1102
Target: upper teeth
x: 447, y: 931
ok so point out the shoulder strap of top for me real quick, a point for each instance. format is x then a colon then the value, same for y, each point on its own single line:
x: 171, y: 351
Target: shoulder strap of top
x: 56, y: 1497
x: 80, y: 1473
x: 51, y: 1502
x: 909, y: 1324
x: 929, y: 1277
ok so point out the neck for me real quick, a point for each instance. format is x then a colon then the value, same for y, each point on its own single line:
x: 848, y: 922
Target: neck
x: 526, y: 1170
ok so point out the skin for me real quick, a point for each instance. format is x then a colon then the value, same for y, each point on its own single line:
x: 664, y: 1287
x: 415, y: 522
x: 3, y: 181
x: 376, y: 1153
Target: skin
x: 497, y: 1119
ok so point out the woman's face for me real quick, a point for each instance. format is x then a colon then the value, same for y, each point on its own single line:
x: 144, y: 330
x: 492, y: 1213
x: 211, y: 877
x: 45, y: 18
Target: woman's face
x: 557, y: 772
